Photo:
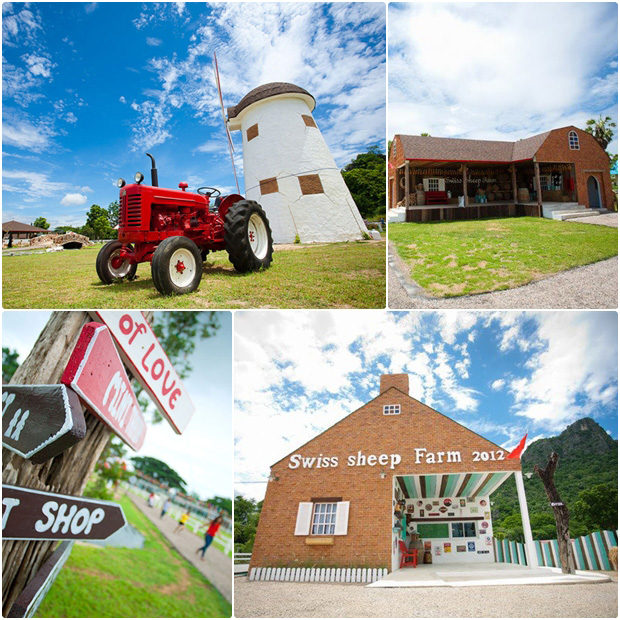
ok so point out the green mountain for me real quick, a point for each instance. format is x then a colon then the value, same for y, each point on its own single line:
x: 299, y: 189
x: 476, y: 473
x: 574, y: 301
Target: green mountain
x: 588, y: 457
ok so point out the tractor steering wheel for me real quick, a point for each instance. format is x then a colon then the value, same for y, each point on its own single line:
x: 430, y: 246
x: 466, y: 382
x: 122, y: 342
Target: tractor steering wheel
x: 212, y: 193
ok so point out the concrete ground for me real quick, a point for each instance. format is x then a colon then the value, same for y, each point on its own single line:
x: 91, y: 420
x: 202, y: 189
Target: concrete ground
x: 216, y: 567
x: 265, y: 599
x: 606, y: 219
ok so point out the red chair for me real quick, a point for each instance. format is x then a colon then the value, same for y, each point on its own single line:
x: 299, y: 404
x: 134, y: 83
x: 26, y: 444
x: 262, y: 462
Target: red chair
x: 407, y: 555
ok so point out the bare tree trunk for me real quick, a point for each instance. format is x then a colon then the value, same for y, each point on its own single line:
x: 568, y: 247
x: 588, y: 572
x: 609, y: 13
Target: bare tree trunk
x: 66, y: 473
x: 560, y: 512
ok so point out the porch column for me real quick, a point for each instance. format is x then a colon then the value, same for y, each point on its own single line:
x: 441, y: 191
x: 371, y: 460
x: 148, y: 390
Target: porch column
x: 464, y: 170
x: 513, y: 171
x: 530, y: 549
x: 538, y: 189
x: 406, y: 184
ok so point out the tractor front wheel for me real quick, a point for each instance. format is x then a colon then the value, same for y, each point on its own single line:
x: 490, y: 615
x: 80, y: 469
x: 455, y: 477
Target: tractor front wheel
x: 110, y: 267
x: 248, y: 236
x: 176, y: 266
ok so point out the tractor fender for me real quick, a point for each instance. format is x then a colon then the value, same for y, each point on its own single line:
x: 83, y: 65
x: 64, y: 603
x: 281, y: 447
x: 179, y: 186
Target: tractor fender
x: 226, y: 202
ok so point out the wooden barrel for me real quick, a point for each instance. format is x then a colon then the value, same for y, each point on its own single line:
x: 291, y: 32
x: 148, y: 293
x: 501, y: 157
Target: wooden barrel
x: 420, y: 198
x: 523, y: 194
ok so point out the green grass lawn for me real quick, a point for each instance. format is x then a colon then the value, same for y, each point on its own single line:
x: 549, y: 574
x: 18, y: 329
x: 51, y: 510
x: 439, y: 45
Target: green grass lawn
x: 336, y: 275
x: 152, y: 582
x: 467, y: 257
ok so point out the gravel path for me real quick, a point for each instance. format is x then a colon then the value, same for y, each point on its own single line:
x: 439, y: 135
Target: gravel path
x: 312, y: 600
x: 606, y: 219
x: 591, y: 286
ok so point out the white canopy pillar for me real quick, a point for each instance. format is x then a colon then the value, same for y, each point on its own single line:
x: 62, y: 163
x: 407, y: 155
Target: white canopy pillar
x: 530, y: 549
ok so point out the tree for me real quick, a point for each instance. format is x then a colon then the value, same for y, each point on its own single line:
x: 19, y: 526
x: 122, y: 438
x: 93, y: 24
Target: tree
x: 223, y: 503
x: 113, y: 213
x: 41, y: 222
x: 247, y: 514
x: 94, y: 213
x: 9, y: 363
x: 598, y: 507
x: 66, y: 473
x: 602, y: 129
x: 365, y: 178
x: 102, y: 229
x: 160, y: 471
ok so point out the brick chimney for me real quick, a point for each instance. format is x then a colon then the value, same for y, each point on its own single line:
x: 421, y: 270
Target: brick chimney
x: 400, y: 382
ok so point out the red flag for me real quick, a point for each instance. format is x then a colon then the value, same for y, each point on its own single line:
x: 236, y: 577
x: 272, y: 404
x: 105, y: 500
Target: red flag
x: 516, y: 453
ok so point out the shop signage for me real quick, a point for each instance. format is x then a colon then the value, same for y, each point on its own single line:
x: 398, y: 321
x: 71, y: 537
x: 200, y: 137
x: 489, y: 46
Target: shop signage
x: 147, y: 361
x: 29, y: 514
x: 40, y: 422
x: 96, y: 373
x: 422, y: 455
x: 33, y: 594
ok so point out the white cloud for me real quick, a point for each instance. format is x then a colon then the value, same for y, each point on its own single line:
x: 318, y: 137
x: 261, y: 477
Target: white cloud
x: 39, y: 65
x: 33, y: 184
x: 484, y: 89
x: 153, y: 42
x: 73, y: 200
x: 498, y: 384
x: 25, y: 135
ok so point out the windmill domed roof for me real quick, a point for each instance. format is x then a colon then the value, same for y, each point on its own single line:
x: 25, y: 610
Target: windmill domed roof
x: 264, y: 92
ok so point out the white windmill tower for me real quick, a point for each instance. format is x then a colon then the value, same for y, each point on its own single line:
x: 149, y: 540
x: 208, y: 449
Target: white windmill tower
x: 289, y: 169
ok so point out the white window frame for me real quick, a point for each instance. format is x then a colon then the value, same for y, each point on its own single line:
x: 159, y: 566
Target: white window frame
x: 545, y: 181
x: 438, y: 183
x: 573, y: 141
x: 305, y: 523
x: 324, y: 519
x: 391, y: 409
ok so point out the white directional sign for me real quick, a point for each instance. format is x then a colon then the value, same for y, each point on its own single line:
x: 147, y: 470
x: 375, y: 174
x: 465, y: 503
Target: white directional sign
x: 144, y: 356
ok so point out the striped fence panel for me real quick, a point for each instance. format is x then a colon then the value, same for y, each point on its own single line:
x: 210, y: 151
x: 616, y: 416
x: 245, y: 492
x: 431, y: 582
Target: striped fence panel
x: 591, y: 552
x: 332, y: 575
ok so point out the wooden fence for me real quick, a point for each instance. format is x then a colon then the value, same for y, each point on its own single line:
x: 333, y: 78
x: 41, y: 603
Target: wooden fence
x: 591, y: 552
x: 341, y: 575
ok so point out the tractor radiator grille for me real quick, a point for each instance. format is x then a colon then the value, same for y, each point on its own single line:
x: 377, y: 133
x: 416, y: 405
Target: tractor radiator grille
x: 131, y: 211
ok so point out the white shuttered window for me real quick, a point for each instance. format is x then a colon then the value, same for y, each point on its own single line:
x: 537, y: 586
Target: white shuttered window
x: 322, y: 519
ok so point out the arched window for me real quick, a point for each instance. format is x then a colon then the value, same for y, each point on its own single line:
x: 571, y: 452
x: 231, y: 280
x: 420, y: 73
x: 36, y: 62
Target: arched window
x: 573, y: 141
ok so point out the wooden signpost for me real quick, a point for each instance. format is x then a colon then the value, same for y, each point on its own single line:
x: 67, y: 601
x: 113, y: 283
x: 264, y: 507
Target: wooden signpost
x: 40, y: 422
x: 33, y: 594
x: 144, y: 356
x: 97, y: 375
x: 29, y: 514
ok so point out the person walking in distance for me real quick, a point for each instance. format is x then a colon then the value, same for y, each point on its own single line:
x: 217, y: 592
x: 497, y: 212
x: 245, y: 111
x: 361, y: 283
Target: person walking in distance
x: 212, y: 529
x: 182, y: 522
x: 165, y: 508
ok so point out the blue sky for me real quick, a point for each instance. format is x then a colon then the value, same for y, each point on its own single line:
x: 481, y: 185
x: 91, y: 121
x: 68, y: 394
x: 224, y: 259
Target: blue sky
x: 202, y: 455
x: 501, y: 374
x: 88, y: 88
x: 501, y: 71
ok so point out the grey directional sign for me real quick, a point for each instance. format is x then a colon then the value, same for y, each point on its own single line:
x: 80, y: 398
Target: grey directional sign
x: 41, y: 421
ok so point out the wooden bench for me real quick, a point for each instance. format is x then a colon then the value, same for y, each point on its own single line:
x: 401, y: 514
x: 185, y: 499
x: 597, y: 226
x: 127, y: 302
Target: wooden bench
x: 436, y: 198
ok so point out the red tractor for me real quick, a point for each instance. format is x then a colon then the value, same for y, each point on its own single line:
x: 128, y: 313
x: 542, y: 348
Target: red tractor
x: 175, y: 230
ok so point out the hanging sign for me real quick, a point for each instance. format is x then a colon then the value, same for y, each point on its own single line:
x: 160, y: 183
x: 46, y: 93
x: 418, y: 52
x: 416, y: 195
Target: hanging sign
x: 40, y: 422
x: 147, y: 361
x: 29, y: 514
x: 96, y: 373
x: 33, y: 594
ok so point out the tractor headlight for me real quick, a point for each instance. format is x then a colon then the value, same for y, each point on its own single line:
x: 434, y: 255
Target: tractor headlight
x: 120, y: 183
x: 138, y: 177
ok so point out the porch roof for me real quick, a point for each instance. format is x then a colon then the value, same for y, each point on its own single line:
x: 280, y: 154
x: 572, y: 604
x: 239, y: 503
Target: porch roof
x: 432, y: 150
x: 451, y: 485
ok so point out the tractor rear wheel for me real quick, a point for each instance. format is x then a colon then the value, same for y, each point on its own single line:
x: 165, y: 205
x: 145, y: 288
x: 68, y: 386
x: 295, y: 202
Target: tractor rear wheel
x: 248, y: 236
x: 176, y: 266
x: 110, y: 267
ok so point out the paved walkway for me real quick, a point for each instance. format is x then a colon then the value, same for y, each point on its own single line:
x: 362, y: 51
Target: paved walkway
x: 277, y: 599
x: 591, y: 286
x: 217, y: 567
x: 606, y: 219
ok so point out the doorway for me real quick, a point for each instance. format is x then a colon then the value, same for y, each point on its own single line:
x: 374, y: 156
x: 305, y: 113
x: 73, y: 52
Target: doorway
x: 594, y: 193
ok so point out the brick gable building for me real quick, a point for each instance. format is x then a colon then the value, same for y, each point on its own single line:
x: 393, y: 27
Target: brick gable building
x: 347, y: 497
x: 500, y: 177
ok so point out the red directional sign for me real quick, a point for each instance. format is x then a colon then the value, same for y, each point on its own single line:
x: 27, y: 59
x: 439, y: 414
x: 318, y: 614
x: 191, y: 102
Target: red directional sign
x: 96, y: 373
x: 144, y: 356
x: 41, y: 421
x: 28, y: 514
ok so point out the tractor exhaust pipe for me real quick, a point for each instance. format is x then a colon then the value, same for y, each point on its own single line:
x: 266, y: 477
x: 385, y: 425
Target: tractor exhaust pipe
x: 154, y: 179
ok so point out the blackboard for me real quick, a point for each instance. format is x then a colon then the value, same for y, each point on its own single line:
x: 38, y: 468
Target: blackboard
x: 434, y: 530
